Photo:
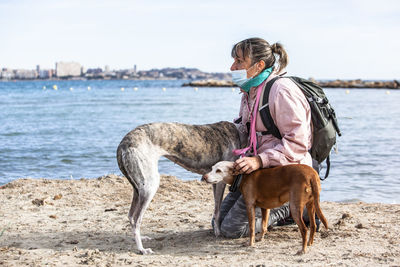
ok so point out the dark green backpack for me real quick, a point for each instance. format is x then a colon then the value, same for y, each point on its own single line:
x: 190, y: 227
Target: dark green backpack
x: 323, y: 117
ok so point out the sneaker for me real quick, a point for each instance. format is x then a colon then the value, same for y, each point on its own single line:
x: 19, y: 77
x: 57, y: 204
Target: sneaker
x: 289, y: 220
x: 286, y: 221
x: 307, y: 221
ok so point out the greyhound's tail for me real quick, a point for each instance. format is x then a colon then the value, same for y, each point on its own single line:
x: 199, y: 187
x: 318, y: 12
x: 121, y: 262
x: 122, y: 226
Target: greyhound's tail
x: 315, y: 187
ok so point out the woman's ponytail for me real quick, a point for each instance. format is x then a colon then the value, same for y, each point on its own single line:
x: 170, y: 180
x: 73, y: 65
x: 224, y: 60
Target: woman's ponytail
x: 283, y: 61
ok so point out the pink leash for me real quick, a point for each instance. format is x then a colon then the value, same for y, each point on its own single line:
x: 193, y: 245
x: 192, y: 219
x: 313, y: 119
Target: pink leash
x: 253, y: 135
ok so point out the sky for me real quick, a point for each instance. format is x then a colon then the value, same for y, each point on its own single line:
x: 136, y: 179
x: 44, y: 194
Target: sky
x: 337, y: 39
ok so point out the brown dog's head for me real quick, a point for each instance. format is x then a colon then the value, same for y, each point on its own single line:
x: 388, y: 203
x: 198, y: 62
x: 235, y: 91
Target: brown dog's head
x: 221, y: 171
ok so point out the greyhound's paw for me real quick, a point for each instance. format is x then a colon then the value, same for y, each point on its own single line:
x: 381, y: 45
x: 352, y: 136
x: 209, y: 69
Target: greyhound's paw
x: 146, y: 251
x: 301, y: 252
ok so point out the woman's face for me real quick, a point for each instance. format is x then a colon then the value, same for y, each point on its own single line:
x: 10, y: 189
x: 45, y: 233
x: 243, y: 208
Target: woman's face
x: 244, y: 63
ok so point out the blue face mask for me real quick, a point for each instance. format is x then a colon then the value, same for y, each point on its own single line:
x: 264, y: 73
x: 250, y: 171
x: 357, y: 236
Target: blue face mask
x: 239, y: 77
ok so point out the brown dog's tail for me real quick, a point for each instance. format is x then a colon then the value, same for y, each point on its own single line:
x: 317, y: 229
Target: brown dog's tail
x: 315, y: 191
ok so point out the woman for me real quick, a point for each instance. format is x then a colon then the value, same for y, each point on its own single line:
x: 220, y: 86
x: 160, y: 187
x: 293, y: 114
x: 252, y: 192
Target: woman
x: 260, y: 62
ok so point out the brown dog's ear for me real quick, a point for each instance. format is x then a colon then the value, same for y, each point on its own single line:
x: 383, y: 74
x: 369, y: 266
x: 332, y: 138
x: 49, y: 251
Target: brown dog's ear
x: 233, y: 170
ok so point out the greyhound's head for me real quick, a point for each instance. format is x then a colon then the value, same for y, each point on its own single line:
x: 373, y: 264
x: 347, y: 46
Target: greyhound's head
x: 221, y: 171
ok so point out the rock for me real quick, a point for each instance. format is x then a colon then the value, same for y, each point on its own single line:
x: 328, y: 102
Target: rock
x: 72, y: 242
x: 38, y: 202
x: 112, y: 209
x: 346, y: 215
x: 57, y: 197
x: 358, y: 83
x: 360, y: 226
x: 210, y: 83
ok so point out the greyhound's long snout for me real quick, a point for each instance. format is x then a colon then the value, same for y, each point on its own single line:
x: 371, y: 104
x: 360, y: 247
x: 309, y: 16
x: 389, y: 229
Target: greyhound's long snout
x: 204, y: 178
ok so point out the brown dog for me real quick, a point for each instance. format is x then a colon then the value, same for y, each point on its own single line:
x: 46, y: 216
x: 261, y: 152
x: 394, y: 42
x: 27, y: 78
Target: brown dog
x: 270, y: 188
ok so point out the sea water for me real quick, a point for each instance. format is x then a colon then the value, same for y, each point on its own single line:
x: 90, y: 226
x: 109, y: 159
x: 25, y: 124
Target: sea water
x: 71, y: 130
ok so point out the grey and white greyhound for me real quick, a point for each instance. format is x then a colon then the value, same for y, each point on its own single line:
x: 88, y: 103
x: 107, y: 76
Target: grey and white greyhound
x: 194, y: 147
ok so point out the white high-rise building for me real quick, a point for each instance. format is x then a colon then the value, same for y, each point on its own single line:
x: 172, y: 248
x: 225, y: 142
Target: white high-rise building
x: 68, y: 69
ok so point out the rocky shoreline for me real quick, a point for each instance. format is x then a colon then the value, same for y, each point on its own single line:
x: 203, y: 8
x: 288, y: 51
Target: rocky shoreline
x: 209, y: 83
x: 395, y: 84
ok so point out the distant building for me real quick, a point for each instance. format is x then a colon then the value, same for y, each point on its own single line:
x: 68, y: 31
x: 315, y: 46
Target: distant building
x: 94, y: 71
x: 6, y: 74
x: 68, y: 69
x: 45, y: 74
x: 25, y: 74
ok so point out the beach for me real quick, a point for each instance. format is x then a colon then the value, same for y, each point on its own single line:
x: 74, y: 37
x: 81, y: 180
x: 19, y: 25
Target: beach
x: 53, y: 222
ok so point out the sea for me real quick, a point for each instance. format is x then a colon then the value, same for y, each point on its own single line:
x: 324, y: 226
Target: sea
x: 71, y: 130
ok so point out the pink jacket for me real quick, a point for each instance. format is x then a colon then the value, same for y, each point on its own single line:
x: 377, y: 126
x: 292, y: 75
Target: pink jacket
x: 291, y: 114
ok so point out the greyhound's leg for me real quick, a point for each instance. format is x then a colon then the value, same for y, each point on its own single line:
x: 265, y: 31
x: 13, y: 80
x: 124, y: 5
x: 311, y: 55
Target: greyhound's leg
x: 146, y: 194
x: 132, y: 213
x: 218, y: 190
x: 133, y: 207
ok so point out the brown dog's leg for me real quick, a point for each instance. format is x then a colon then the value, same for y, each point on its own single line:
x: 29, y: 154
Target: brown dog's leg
x: 251, y: 215
x: 313, y: 226
x: 297, y: 213
x: 264, y: 228
x: 315, y: 184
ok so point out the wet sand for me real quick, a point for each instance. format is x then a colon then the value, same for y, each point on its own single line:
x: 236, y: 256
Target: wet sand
x: 84, y: 222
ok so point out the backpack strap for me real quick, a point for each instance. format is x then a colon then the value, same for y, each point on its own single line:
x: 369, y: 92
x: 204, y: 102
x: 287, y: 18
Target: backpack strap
x: 236, y: 183
x: 265, y: 112
x: 328, y: 167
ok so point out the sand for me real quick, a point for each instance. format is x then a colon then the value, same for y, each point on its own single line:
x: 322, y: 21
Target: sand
x: 50, y: 222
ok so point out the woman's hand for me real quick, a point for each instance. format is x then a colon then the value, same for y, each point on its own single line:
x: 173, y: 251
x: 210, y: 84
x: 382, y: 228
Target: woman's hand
x: 247, y: 164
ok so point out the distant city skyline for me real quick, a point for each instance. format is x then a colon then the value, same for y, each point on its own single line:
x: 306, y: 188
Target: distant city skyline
x: 346, y: 39
x: 74, y: 70
x: 105, y: 67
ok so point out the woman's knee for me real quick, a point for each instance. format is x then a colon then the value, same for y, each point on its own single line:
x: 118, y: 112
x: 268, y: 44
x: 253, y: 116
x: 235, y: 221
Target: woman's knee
x: 230, y: 230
